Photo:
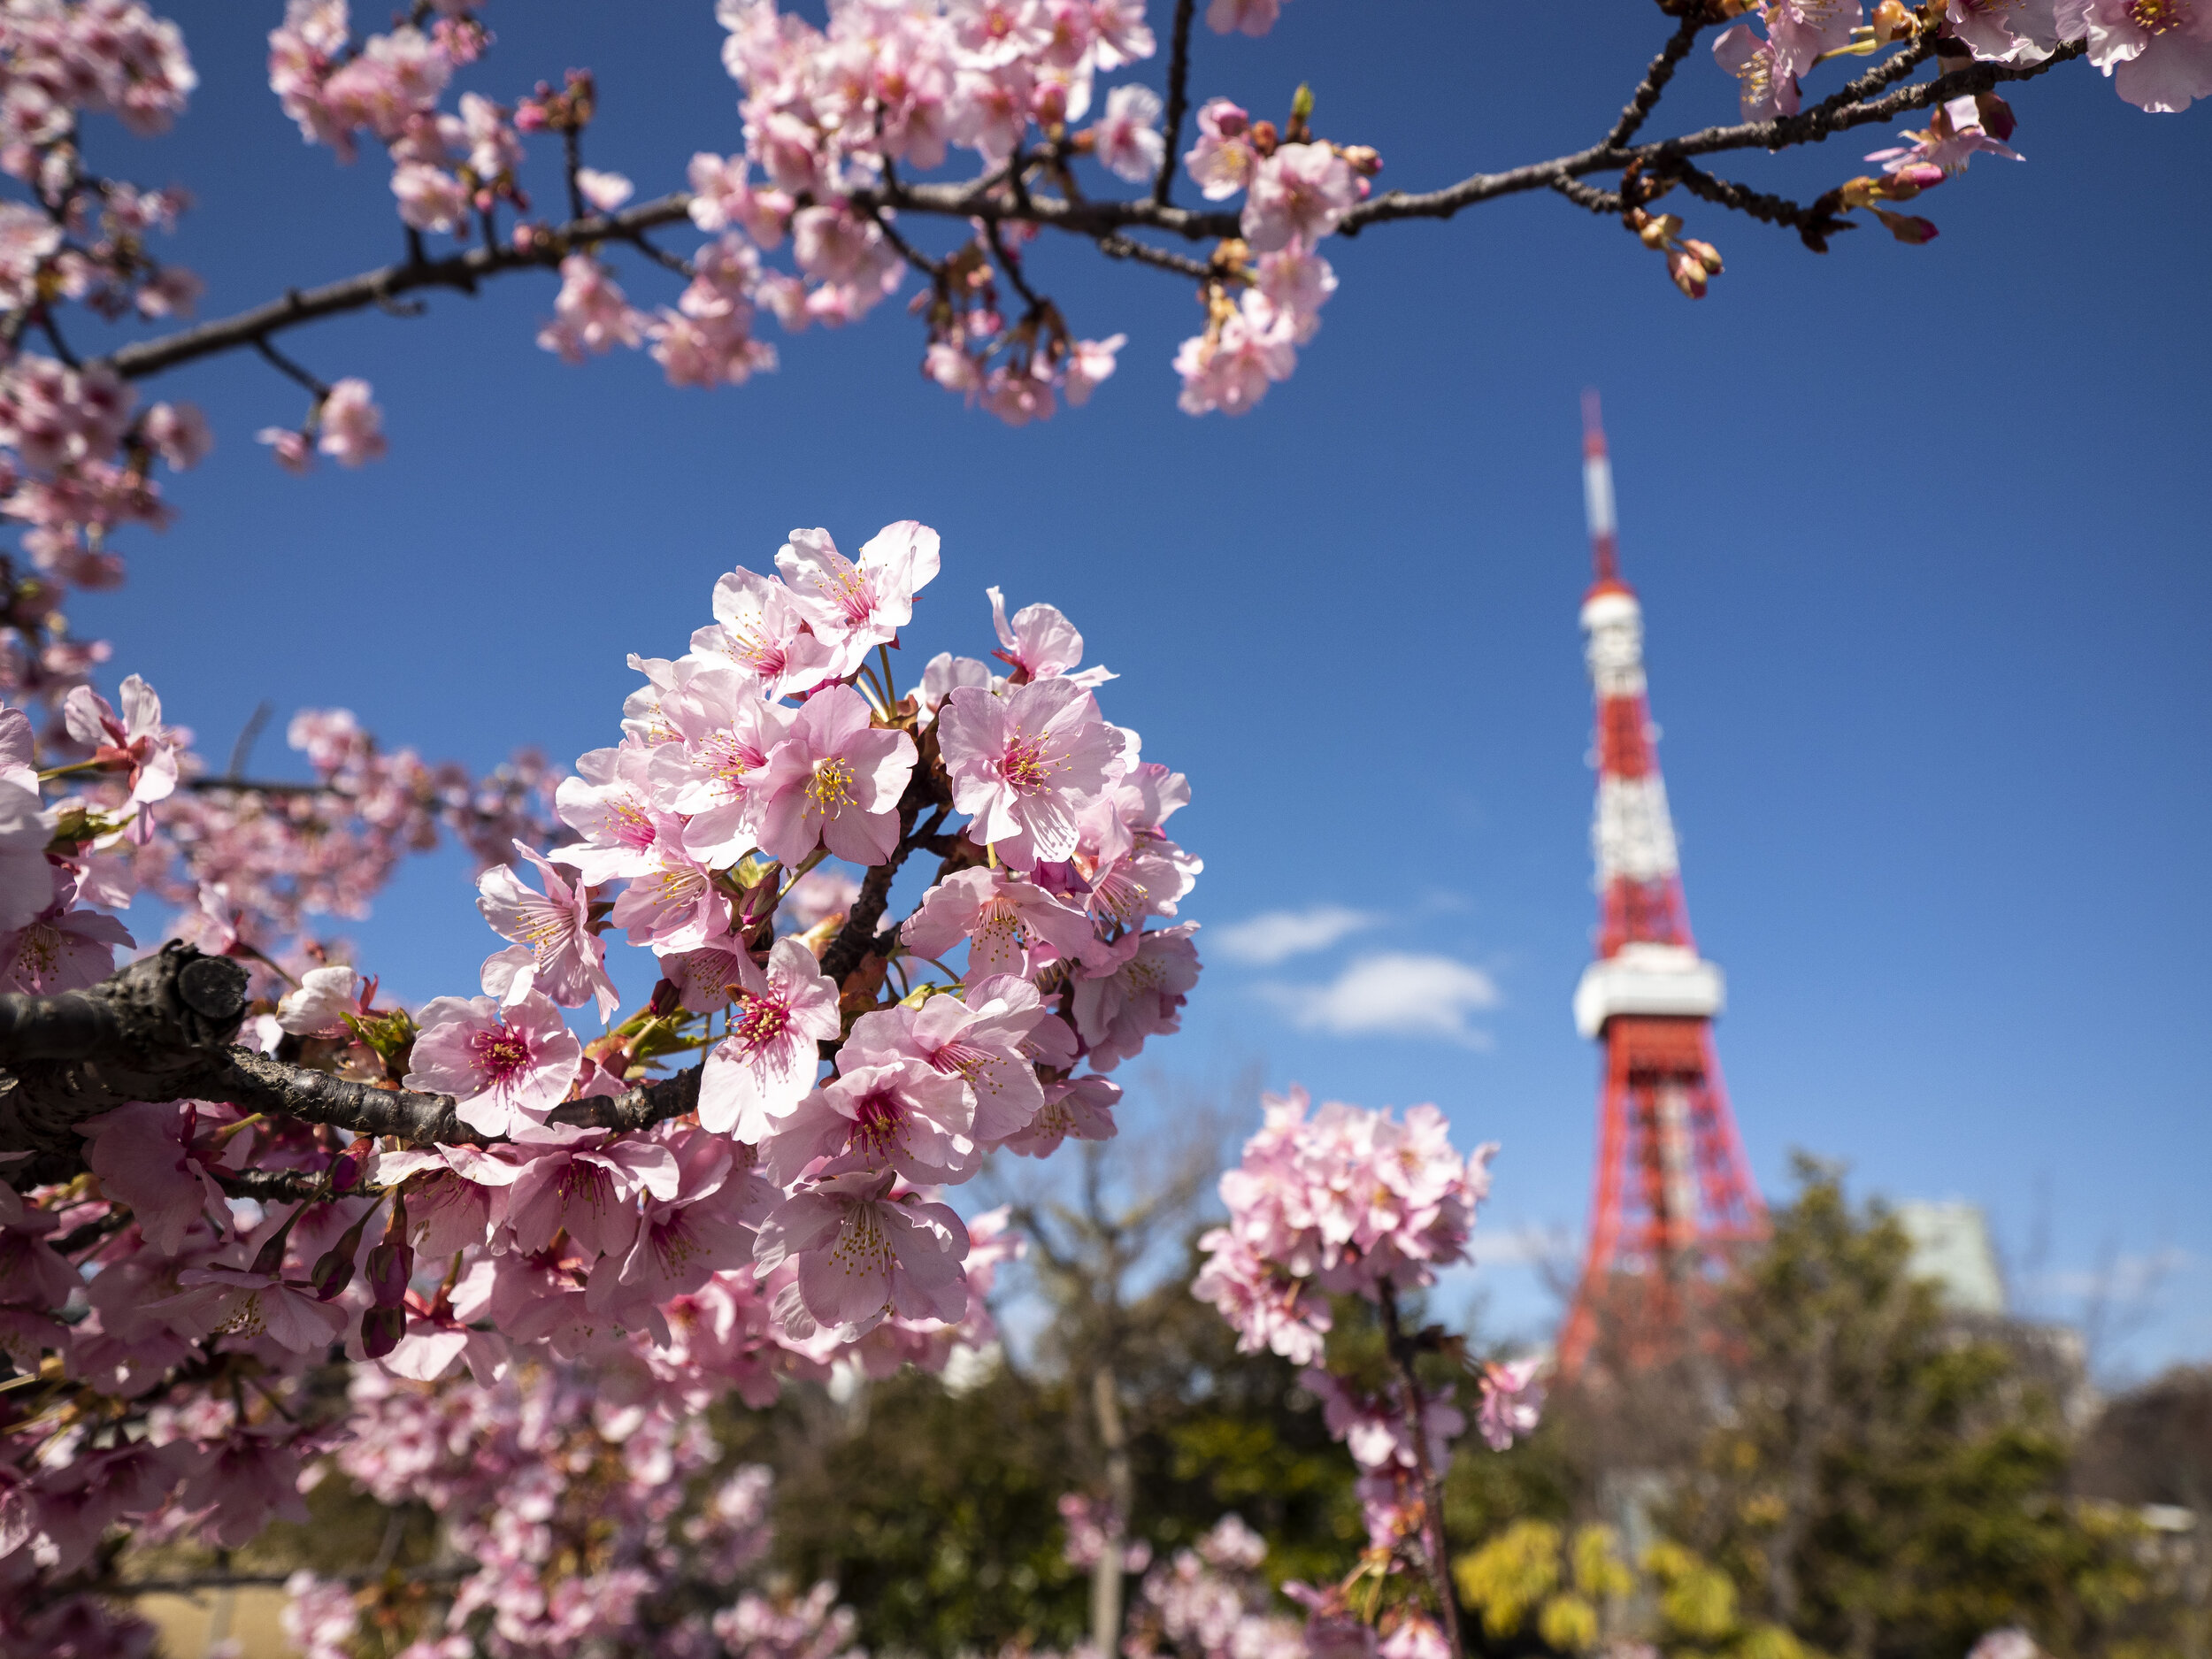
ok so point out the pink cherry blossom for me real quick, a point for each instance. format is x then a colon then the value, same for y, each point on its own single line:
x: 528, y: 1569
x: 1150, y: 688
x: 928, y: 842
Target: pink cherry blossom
x: 60, y: 949
x: 350, y: 426
x: 1230, y: 366
x: 1081, y: 1109
x: 506, y: 1067
x: 863, y: 1254
x: 682, y: 1240
x: 2158, y: 53
x: 605, y: 191
x: 975, y: 1039
x: 430, y: 198
x: 1768, y: 87
x: 145, y: 1158
x: 591, y: 313
x: 781, y: 1015
x: 903, y: 1115
x: 675, y: 906
x: 1040, y: 643
x: 2004, y: 31
x: 1300, y: 192
x: 1126, y: 140
x: 760, y: 626
x: 608, y: 803
x: 1012, y: 925
x: 1801, y: 30
x: 1253, y: 17
x: 856, y: 606
x: 1223, y: 160
x: 244, y: 1303
x: 1138, y: 996
x: 715, y: 766
x: 556, y: 952
x: 137, y: 740
x: 835, y: 781
x: 1512, y: 1401
x: 1021, y: 764
x: 1089, y: 364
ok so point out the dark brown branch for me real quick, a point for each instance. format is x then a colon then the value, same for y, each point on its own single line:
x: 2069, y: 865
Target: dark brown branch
x: 1807, y: 127
x: 1814, y: 224
x: 297, y: 374
x: 1403, y: 1346
x: 1589, y: 195
x: 460, y: 271
x: 1646, y: 97
x: 1119, y: 247
x: 160, y: 1030
x: 1002, y: 196
x: 1178, y: 97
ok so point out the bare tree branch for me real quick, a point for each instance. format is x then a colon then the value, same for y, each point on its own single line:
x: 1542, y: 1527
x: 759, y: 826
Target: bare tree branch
x: 1178, y: 98
x: 1646, y: 97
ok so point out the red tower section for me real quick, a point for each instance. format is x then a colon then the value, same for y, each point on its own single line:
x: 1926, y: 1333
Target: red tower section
x: 1673, y: 1190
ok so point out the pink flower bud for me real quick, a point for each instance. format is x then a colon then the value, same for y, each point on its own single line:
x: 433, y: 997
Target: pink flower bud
x: 345, y: 1169
x: 389, y: 1268
x: 381, y: 1329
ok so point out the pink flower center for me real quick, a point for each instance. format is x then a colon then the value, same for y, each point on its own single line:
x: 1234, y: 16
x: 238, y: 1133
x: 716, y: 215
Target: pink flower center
x: 881, y: 1124
x: 2157, y: 16
x: 844, y: 586
x: 759, y: 1021
x: 1024, y: 765
x: 502, y: 1052
x: 959, y: 1058
x: 632, y: 825
x: 830, y: 790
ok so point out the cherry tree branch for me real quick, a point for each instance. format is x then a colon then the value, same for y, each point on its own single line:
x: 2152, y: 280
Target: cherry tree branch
x: 1002, y: 196
x: 1178, y: 99
x: 161, y: 1030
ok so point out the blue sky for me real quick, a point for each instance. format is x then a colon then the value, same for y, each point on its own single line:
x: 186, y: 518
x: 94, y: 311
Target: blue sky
x: 1918, y: 532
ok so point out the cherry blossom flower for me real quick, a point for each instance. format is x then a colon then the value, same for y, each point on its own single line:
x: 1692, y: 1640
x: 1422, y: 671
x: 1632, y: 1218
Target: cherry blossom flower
x: 137, y: 740
x: 556, y: 952
x: 1954, y: 136
x: 1253, y: 17
x: 1301, y: 191
x: 1801, y: 30
x: 903, y: 1115
x: 1089, y: 364
x: 835, y: 781
x: 62, y: 949
x: 144, y: 1157
x: 605, y: 191
x: 430, y: 198
x: 608, y: 803
x: 245, y: 1303
x: 591, y: 313
x: 682, y: 1240
x: 349, y: 424
x: 854, y: 607
x: 1012, y: 925
x: 1127, y: 140
x: 863, y: 1255
x: 588, y: 1189
x: 675, y: 906
x: 975, y: 1039
x: 760, y: 626
x: 1140, y: 994
x: 1022, y: 763
x: 2004, y: 31
x: 2158, y: 53
x: 781, y: 1015
x: 1223, y: 160
x: 1768, y: 87
x: 1081, y: 1109
x: 1230, y: 366
x: 1040, y: 643
x: 1512, y: 1401
x: 712, y: 770
x: 506, y: 1066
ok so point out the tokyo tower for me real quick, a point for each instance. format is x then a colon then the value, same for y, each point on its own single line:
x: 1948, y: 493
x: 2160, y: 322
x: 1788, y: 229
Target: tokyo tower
x: 1673, y: 1190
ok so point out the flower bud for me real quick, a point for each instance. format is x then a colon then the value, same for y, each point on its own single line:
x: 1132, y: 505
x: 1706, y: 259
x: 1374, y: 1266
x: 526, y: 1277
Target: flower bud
x: 1907, y: 228
x: 1688, y: 272
x: 665, y: 1001
x: 389, y: 1268
x: 381, y: 1329
x: 1363, y: 159
x: 1704, y: 253
x: 1892, y: 21
x: 1656, y: 231
x: 1265, y: 137
x: 346, y: 1168
x: 1997, y: 116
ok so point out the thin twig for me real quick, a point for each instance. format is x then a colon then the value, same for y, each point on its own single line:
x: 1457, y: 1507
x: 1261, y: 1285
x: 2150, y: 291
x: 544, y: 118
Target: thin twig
x: 1646, y: 97
x: 1589, y: 195
x: 242, y: 750
x: 1178, y: 97
x: 1120, y: 247
x: 290, y: 370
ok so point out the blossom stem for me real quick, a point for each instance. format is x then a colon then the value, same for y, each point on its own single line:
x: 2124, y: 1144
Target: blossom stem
x: 1402, y: 1349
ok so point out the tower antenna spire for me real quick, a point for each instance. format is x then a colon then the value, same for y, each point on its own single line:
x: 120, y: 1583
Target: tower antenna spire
x: 1673, y: 1192
x: 1597, y: 492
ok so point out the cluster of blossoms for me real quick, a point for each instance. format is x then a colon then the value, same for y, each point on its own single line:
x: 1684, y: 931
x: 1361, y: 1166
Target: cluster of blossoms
x: 1349, y: 1202
x: 593, y: 1518
x: 76, y: 452
x: 1345, y: 1201
x: 2157, y: 53
x: 1212, y: 1602
x: 169, y: 1295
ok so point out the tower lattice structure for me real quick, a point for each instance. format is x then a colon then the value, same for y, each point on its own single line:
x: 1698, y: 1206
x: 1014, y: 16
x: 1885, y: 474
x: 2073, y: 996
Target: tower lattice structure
x: 1674, y: 1191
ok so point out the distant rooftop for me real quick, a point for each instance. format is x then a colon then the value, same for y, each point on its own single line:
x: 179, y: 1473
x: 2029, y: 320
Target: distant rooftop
x: 1951, y: 1250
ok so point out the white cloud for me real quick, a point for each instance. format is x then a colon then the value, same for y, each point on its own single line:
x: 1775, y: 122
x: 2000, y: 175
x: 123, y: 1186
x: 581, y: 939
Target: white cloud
x: 1275, y: 936
x: 1394, y: 994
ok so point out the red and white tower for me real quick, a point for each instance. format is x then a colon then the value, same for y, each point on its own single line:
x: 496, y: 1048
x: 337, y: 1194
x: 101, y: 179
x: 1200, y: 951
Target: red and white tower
x: 1673, y: 1190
